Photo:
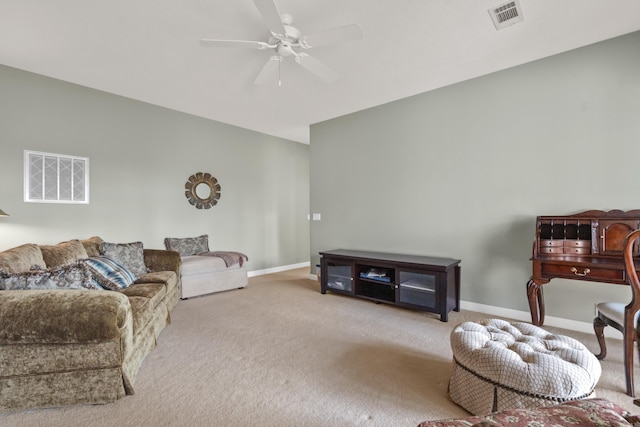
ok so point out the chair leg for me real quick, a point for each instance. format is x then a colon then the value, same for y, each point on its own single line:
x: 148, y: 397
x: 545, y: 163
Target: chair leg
x: 637, y: 401
x: 598, y: 328
x: 628, y: 361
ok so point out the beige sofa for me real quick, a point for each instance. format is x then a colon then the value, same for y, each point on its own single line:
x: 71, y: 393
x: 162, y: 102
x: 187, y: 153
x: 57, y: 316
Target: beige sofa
x: 77, y: 346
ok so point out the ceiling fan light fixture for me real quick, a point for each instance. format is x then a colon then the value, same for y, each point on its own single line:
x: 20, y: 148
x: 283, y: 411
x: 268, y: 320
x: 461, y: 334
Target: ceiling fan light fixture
x: 285, y: 49
x: 285, y: 40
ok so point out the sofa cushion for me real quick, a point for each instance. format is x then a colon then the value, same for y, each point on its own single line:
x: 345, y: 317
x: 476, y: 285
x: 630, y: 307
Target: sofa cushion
x: 92, y: 245
x: 157, y: 277
x: 109, y: 273
x: 22, y: 258
x: 188, y: 245
x: 69, y: 276
x: 130, y: 255
x: 192, y: 265
x: 168, y: 278
x: 155, y: 292
x: 63, y: 253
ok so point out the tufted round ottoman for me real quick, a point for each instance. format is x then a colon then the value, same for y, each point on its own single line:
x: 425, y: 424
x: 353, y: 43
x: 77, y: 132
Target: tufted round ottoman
x: 500, y: 365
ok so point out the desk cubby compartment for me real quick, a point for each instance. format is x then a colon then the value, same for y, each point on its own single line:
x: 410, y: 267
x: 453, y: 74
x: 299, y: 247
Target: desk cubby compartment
x: 559, y: 230
x: 578, y: 231
x: 565, y: 237
x: 417, y: 289
x: 339, y: 277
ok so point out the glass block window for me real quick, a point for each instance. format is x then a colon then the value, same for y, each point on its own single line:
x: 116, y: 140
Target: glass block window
x: 55, y: 178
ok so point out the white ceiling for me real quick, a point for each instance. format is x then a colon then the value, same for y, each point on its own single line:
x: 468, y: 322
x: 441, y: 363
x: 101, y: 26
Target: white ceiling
x: 149, y: 50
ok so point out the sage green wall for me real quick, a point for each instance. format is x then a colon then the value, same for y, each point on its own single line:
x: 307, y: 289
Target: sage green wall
x: 464, y: 170
x: 140, y: 158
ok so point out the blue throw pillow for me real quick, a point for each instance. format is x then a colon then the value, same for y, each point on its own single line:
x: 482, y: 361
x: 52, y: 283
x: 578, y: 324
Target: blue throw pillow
x: 109, y: 273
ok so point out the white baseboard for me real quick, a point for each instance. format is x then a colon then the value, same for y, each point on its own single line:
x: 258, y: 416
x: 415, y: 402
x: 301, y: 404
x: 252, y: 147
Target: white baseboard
x: 278, y: 269
x: 523, y: 316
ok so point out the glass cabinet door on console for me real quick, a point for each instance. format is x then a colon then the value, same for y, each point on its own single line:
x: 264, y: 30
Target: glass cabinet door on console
x: 417, y: 289
x: 338, y: 276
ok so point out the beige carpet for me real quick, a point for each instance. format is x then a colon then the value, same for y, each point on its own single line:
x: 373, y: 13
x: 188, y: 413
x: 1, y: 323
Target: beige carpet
x: 279, y: 353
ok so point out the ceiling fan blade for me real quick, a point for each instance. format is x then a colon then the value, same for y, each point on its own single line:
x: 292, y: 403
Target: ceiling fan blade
x: 335, y: 35
x: 270, y: 15
x: 234, y: 43
x: 316, y: 67
x: 270, y: 73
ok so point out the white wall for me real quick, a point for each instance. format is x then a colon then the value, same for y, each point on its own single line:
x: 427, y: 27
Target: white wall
x: 464, y: 170
x: 140, y: 159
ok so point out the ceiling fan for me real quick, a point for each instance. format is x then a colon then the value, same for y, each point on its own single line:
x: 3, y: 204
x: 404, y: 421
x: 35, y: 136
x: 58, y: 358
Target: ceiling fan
x: 286, y: 40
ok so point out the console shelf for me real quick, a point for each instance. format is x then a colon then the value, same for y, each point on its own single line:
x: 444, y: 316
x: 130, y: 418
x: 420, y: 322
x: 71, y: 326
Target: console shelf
x: 418, y: 282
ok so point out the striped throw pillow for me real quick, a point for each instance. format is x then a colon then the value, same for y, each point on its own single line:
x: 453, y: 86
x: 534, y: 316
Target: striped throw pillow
x: 109, y: 273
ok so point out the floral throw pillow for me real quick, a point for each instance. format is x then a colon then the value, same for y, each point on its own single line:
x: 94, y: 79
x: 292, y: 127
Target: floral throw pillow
x: 189, y: 245
x: 69, y: 276
x: 129, y: 255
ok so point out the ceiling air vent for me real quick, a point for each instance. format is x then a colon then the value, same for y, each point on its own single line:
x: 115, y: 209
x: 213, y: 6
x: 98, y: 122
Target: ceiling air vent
x: 506, y: 14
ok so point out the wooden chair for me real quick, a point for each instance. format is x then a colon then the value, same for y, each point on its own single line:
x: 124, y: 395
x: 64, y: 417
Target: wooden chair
x: 620, y: 316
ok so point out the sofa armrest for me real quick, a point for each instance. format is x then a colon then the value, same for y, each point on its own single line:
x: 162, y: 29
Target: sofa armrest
x: 162, y: 260
x: 62, y: 316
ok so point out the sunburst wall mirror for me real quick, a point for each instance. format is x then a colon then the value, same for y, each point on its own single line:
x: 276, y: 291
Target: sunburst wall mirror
x: 202, y: 190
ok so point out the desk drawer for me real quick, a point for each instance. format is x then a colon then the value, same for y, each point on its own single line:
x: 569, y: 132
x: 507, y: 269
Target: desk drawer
x: 568, y: 246
x: 569, y: 250
x: 544, y: 243
x: 577, y: 250
x: 552, y: 250
x: 570, y: 243
x: 583, y: 273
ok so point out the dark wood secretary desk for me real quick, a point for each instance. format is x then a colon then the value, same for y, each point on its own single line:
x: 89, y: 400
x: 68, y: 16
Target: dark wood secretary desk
x: 584, y: 246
